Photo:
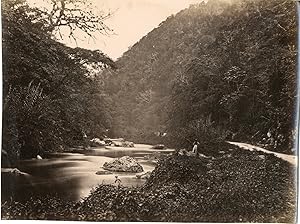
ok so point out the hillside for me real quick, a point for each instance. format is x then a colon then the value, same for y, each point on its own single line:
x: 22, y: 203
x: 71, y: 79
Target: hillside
x: 228, y: 67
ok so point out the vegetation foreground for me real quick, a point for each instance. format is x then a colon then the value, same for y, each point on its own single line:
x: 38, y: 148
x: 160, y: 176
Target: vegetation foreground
x: 232, y: 186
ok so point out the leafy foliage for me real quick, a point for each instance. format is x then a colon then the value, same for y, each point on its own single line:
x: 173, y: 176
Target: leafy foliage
x: 52, y: 93
x: 237, y: 186
x: 247, y: 90
x: 230, y: 63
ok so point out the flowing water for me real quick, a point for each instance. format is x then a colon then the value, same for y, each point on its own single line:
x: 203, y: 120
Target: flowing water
x: 73, y: 175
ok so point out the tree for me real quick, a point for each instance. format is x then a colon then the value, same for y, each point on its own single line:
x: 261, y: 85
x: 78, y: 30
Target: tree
x: 48, y: 87
x: 73, y: 18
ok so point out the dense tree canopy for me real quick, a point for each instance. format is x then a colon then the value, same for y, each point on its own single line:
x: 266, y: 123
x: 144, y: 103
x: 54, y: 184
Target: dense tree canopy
x: 52, y: 93
x: 245, y: 80
x: 224, y: 69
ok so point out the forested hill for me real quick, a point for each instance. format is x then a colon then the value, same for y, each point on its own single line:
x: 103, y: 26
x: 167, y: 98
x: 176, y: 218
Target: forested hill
x: 216, y: 69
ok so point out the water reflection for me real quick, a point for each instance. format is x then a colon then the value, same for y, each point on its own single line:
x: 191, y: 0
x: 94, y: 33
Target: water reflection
x: 72, y: 175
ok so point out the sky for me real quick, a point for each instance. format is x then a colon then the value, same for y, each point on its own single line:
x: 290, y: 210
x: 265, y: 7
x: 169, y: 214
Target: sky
x: 132, y: 19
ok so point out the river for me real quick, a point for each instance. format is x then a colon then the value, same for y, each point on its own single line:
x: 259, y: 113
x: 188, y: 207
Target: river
x: 72, y: 175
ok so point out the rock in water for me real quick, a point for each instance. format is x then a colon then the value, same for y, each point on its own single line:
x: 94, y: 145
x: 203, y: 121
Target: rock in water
x: 159, y: 146
x: 97, y: 142
x: 13, y: 172
x: 117, y: 144
x: 124, y: 164
x: 128, y: 144
x: 131, y: 144
x: 38, y: 157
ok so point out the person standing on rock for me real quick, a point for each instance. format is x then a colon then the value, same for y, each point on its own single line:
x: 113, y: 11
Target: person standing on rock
x: 195, y: 147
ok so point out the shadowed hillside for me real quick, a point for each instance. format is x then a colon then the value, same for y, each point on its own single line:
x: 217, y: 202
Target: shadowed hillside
x: 218, y: 66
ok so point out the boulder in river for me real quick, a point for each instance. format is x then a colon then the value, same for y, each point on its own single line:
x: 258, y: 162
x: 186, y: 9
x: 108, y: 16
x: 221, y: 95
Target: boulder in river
x: 124, y: 164
x: 159, y: 146
x: 128, y: 144
x: 13, y: 171
x: 97, y: 142
x: 117, y: 144
x: 123, y: 144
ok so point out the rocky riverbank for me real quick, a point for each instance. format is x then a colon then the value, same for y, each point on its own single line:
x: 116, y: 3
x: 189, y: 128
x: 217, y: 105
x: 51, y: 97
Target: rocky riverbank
x: 232, y: 186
